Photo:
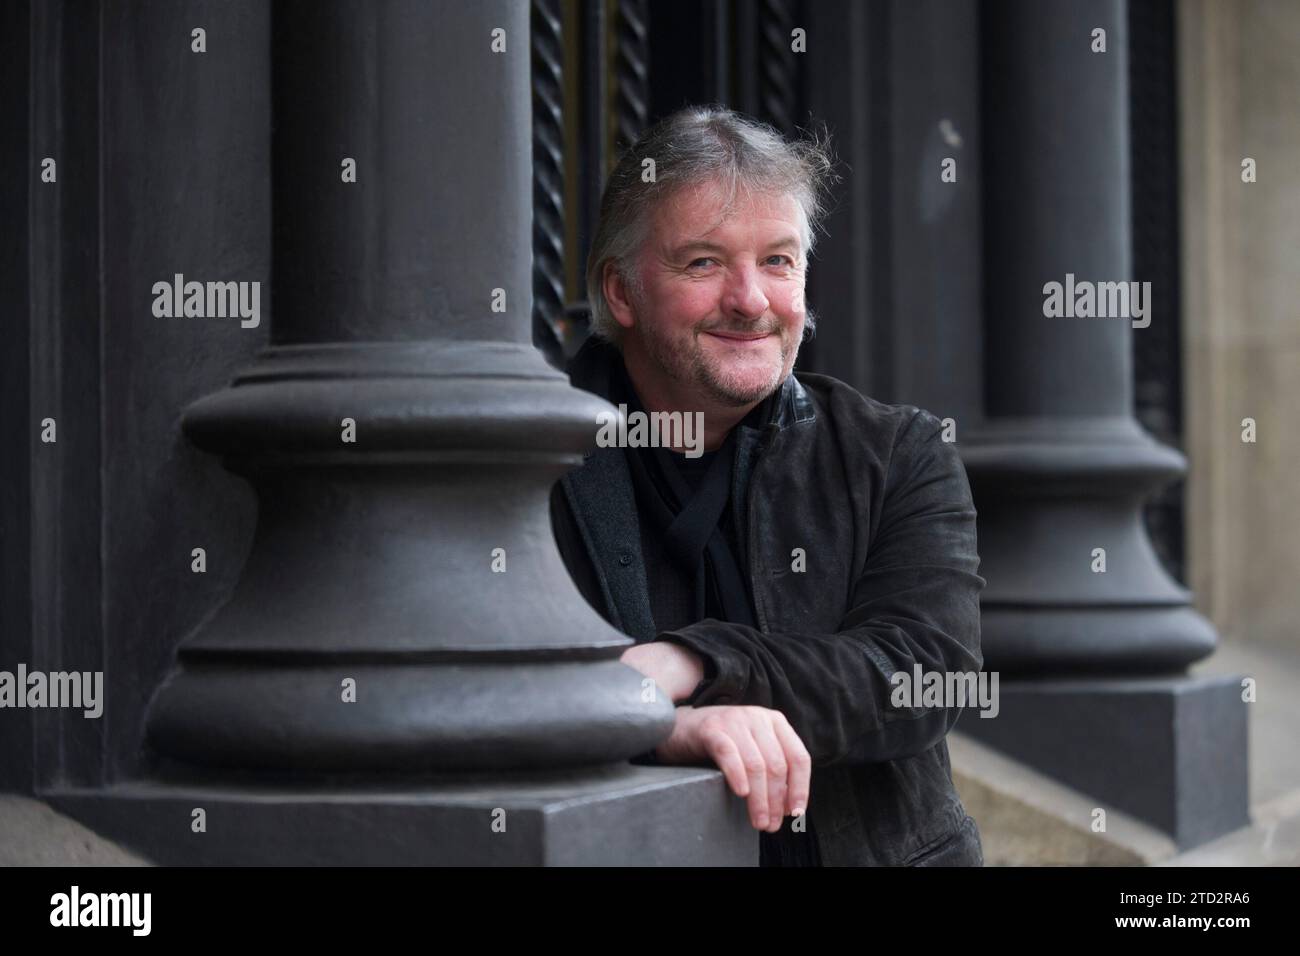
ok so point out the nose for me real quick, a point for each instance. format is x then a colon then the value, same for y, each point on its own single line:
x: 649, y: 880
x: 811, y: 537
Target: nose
x: 743, y: 297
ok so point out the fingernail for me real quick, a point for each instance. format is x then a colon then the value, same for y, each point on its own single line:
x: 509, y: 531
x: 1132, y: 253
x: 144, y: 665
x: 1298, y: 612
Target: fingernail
x: 797, y: 812
x: 762, y: 823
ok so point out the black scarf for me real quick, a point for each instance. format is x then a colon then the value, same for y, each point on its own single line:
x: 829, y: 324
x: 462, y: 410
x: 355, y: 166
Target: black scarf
x: 691, y: 520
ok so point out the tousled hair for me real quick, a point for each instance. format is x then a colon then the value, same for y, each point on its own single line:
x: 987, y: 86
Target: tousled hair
x: 694, y: 146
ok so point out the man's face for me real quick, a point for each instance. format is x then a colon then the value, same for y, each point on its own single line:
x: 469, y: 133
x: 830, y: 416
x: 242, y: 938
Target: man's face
x: 722, y: 311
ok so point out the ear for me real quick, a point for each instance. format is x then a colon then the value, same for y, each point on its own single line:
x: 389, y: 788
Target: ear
x: 616, y: 294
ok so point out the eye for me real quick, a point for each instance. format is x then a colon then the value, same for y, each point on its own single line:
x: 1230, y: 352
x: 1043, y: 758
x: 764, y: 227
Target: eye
x: 697, y: 261
x: 788, y: 260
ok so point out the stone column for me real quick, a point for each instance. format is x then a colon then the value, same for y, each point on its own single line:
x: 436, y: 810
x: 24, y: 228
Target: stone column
x: 404, y: 621
x: 1060, y: 467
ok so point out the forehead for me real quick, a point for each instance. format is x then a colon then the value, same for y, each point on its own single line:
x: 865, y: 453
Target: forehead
x: 699, y: 212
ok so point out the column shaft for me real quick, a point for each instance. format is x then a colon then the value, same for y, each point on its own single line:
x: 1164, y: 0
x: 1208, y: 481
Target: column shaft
x: 404, y: 606
x: 1061, y: 468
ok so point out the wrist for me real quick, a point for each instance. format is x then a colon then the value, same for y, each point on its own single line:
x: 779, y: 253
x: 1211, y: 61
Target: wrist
x: 685, y: 669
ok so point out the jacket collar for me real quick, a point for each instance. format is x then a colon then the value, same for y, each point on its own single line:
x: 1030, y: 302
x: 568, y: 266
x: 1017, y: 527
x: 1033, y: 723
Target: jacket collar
x: 591, y: 368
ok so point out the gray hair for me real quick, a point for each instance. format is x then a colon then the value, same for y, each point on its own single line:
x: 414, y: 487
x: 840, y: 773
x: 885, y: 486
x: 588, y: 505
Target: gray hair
x: 695, y: 145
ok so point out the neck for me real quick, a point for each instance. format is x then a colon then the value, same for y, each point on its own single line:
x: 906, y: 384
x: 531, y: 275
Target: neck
x: 658, y: 393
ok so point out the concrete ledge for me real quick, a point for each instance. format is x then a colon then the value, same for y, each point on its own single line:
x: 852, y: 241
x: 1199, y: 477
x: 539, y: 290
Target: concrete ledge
x: 34, y: 834
x: 625, y: 815
x: 1028, y: 819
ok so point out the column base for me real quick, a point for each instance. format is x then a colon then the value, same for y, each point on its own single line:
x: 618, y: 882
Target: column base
x: 627, y: 815
x: 1171, y: 751
x: 1073, y: 581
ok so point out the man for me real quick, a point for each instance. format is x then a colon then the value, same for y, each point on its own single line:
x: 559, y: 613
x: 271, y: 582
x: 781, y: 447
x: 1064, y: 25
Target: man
x: 822, y: 542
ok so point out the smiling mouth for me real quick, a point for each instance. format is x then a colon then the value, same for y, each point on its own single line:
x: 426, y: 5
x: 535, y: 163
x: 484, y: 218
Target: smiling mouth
x: 740, y: 336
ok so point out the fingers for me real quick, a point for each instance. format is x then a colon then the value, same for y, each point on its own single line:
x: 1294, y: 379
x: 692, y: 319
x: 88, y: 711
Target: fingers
x: 724, y: 752
x: 756, y: 769
x: 775, y: 769
x: 799, y: 761
x: 762, y: 759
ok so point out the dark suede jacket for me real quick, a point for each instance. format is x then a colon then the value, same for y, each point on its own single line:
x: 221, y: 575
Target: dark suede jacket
x: 880, y: 510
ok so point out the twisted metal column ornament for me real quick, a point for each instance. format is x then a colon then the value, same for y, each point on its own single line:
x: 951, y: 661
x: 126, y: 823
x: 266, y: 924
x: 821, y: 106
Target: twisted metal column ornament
x: 779, y: 74
x: 631, y: 73
x: 549, y: 321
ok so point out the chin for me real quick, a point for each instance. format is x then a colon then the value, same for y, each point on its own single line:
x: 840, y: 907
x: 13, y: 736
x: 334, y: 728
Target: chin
x: 744, y: 389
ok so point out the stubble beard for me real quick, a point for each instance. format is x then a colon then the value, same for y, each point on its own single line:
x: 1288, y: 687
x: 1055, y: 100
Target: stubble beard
x: 690, y: 365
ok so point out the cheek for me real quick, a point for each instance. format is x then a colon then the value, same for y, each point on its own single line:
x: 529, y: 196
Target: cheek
x: 695, y: 302
x: 680, y: 311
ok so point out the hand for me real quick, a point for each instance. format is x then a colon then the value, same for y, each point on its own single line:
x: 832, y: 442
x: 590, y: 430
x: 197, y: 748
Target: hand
x: 757, y: 751
x: 675, y: 670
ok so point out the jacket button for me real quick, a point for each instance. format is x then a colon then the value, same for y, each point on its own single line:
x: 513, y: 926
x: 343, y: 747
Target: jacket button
x: 625, y: 559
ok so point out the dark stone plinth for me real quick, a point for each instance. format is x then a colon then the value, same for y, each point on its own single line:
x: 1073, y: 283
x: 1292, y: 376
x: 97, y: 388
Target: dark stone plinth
x: 1171, y: 751
x: 619, y: 816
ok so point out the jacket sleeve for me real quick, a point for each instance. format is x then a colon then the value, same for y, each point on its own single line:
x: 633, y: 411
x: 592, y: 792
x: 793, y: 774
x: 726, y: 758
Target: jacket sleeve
x: 916, y: 601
